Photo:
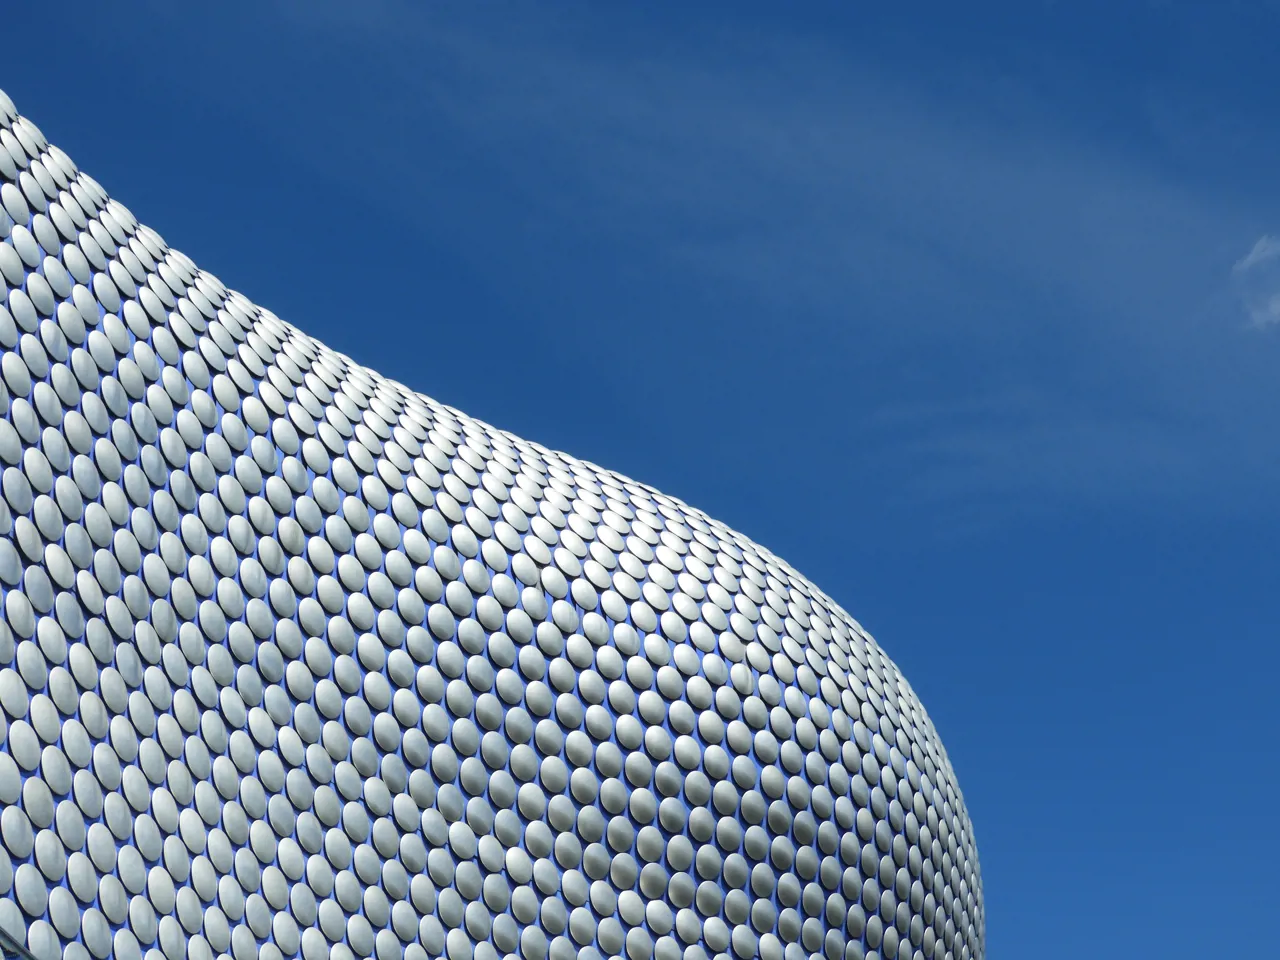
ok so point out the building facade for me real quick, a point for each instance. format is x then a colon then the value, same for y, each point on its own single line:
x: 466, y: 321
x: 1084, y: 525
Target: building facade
x: 297, y: 661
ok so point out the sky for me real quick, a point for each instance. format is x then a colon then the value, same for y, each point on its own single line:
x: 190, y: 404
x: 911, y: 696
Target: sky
x: 970, y: 312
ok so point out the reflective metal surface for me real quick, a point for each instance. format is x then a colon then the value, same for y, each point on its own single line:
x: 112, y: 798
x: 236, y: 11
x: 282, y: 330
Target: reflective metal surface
x: 295, y: 661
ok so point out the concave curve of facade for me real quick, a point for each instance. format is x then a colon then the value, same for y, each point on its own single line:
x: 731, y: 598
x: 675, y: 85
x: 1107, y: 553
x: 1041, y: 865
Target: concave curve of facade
x: 295, y: 661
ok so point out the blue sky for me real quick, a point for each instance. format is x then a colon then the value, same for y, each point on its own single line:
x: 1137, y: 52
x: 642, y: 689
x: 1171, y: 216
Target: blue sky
x: 967, y: 311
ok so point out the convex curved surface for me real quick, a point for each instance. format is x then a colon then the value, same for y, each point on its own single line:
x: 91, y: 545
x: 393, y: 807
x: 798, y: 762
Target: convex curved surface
x: 296, y: 661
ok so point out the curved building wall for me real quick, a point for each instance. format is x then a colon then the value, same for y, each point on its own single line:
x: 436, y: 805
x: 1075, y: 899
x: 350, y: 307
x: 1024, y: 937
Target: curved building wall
x: 296, y: 661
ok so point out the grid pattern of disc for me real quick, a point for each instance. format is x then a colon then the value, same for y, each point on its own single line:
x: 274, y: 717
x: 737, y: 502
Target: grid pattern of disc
x: 295, y: 661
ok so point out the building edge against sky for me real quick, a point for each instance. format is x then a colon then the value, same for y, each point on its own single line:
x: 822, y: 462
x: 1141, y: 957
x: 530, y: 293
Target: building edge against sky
x: 296, y: 661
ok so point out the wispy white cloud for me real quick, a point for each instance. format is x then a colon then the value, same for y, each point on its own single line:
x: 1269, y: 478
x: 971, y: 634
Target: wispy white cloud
x: 967, y: 234
x: 1256, y: 281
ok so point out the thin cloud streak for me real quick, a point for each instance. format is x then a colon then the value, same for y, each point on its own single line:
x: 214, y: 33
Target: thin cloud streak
x: 888, y: 225
x: 1256, y: 280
